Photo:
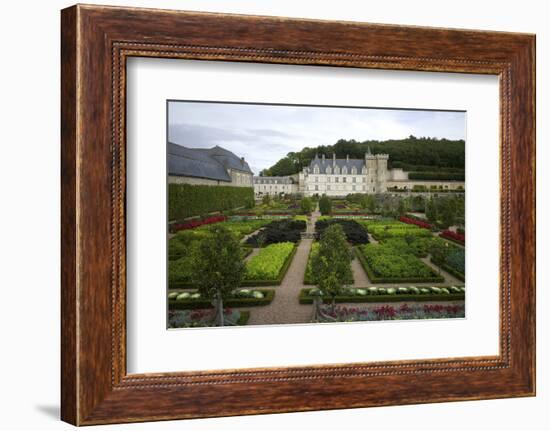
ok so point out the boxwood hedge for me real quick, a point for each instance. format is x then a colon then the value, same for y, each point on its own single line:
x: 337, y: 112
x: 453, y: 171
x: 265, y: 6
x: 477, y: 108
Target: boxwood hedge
x: 186, y: 200
x: 196, y: 303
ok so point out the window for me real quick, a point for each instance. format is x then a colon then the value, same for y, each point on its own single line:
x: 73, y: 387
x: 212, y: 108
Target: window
x: 316, y: 187
x: 353, y: 171
x: 336, y: 179
x: 328, y: 188
x: 344, y: 179
x: 353, y: 188
x: 328, y: 179
x: 316, y: 170
x: 316, y: 179
x: 353, y: 181
x: 336, y: 170
x: 364, y: 179
x: 344, y: 170
x: 328, y: 170
x: 373, y: 189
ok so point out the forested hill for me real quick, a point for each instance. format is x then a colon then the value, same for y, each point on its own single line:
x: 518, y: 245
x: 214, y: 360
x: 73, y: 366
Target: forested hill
x: 412, y: 154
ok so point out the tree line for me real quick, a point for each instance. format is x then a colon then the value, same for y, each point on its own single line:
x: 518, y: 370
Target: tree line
x: 430, y: 154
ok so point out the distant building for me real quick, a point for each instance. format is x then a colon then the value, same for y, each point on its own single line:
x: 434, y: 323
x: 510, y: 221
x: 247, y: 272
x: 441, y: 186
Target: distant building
x: 207, y: 166
x: 340, y: 177
x: 274, y: 186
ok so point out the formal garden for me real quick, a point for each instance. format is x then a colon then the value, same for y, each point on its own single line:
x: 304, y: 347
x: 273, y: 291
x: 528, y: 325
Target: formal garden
x: 290, y: 259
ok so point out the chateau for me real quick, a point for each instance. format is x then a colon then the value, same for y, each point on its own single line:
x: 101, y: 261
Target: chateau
x: 340, y: 177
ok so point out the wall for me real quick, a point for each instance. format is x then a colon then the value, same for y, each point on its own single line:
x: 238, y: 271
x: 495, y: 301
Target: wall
x: 29, y: 220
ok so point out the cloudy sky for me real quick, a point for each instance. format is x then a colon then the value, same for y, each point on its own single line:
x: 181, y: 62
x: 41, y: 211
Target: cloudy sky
x: 263, y: 134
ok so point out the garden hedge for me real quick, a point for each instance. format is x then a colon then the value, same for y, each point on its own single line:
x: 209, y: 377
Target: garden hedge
x: 193, y: 304
x: 443, y: 176
x: 186, y: 200
x: 304, y: 298
x: 374, y: 279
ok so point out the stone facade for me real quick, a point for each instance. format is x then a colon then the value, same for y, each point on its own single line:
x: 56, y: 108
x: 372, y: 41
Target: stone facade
x: 275, y: 186
x: 340, y: 177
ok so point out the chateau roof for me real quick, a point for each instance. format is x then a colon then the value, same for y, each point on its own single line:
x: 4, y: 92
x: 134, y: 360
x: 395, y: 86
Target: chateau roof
x: 330, y: 162
x: 210, y: 163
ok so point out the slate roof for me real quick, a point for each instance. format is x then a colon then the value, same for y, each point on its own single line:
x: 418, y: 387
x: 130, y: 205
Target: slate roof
x: 210, y: 163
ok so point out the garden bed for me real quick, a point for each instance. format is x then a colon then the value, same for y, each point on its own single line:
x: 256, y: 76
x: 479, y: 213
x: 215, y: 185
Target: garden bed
x: 394, y: 267
x: 269, y: 267
x: 202, y: 318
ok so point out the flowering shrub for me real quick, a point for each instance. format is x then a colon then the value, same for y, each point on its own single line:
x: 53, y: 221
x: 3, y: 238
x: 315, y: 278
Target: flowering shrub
x: 449, y: 234
x: 269, y: 262
x: 204, y: 317
x: 388, y: 312
x: 192, y: 224
x: 418, y: 223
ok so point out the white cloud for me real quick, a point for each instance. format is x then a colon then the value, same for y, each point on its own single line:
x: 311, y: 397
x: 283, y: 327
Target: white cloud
x: 265, y: 133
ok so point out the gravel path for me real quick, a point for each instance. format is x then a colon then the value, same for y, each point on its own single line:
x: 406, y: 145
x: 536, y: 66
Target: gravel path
x: 360, y: 278
x: 255, y: 251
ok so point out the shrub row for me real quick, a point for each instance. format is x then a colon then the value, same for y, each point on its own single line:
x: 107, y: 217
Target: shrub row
x: 419, y: 223
x: 453, y: 236
x: 249, y: 282
x: 448, y: 176
x: 186, y: 200
x: 196, y: 303
x: 192, y: 224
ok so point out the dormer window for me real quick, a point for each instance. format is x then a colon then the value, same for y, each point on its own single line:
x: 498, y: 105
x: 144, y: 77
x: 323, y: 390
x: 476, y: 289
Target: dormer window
x: 353, y: 171
x: 328, y: 170
x: 336, y: 170
x: 344, y: 170
x: 316, y: 170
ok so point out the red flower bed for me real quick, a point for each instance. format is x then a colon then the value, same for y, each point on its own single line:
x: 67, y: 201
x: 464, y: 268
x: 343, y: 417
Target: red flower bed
x: 418, y: 223
x: 196, y: 223
x: 449, y: 234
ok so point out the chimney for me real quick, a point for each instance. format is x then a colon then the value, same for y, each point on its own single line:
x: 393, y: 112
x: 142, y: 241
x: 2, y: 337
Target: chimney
x: 242, y: 161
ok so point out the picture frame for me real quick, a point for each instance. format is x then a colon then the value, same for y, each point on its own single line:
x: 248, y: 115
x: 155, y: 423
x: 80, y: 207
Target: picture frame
x: 96, y: 41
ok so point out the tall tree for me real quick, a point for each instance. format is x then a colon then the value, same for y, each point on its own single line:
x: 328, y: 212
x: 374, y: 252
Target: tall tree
x: 325, y: 205
x: 218, y: 268
x: 331, y: 265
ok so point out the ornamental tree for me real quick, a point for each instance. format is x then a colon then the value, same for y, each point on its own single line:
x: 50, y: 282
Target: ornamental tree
x: 306, y: 206
x: 218, y: 268
x: 325, y: 205
x: 331, y: 265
